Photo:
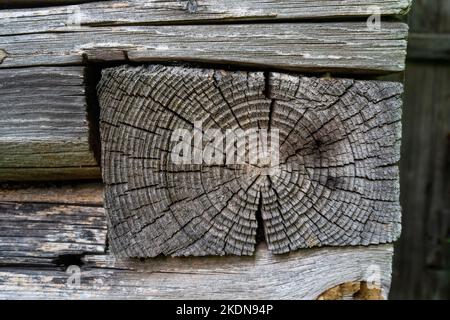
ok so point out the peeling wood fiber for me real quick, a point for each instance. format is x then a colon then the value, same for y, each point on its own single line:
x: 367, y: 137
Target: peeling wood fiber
x: 337, y: 182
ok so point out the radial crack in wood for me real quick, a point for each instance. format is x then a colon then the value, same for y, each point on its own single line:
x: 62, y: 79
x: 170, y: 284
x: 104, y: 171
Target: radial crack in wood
x: 298, y: 275
x: 144, y: 12
x: 335, y: 181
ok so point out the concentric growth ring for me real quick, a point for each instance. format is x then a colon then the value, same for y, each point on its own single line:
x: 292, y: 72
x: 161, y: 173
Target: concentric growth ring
x: 192, y: 157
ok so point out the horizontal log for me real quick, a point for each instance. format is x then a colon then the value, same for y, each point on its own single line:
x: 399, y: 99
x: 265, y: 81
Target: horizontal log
x: 40, y: 241
x: 37, y: 3
x: 44, y: 127
x: 343, y: 47
x: 429, y: 46
x: 42, y: 222
x: 108, y: 13
x: 299, y: 275
x: 86, y: 193
x: 34, y: 234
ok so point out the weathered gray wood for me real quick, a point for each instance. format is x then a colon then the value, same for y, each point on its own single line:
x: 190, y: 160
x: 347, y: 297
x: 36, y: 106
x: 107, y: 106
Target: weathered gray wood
x: 299, y: 275
x: 37, y: 266
x: 44, y: 129
x: 108, y: 13
x: 36, y: 3
x: 348, y: 46
x: 428, y: 46
x: 75, y: 193
x: 41, y: 233
x: 336, y: 184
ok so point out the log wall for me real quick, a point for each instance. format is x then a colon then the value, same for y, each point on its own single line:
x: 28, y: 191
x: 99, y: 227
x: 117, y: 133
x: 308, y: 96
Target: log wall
x: 50, y: 59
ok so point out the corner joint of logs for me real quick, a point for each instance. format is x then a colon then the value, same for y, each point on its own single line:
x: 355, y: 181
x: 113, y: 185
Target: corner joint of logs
x: 196, y: 161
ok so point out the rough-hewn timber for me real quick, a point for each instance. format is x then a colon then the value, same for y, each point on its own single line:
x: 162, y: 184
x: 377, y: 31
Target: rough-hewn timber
x: 41, y: 224
x: 144, y: 12
x: 103, y: 276
x: 102, y: 31
x: 299, y: 275
x: 344, y: 47
x: 41, y: 247
x: 86, y: 193
x: 44, y: 129
x: 336, y: 182
x: 41, y: 233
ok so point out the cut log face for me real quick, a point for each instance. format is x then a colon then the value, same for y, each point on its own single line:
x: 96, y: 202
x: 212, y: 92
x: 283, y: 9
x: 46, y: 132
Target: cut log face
x: 318, y: 165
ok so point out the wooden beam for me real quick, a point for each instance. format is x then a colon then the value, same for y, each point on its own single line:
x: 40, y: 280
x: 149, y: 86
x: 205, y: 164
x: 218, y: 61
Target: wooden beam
x: 41, y: 223
x: 38, y: 3
x: 336, y: 181
x: 44, y: 127
x: 344, y: 47
x: 300, y: 275
x: 86, y: 193
x: 143, y: 12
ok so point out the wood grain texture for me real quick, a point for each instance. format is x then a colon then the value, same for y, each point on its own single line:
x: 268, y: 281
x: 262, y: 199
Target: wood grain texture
x: 299, y: 275
x: 144, y: 12
x: 345, y: 47
x: 189, y: 12
x: 38, y: 234
x: 86, y: 193
x: 44, y: 130
x: 37, y: 3
x: 40, y: 241
x: 336, y: 182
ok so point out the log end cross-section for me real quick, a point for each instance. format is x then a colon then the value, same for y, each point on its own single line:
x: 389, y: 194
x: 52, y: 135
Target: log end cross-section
x: 178, y: 157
